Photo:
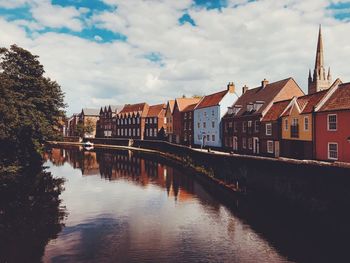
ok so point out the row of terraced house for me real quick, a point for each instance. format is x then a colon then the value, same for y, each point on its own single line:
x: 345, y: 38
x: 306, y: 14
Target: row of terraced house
x: 274, y: 119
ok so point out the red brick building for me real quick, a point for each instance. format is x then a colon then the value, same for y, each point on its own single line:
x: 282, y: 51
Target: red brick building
x: 242, y: 123
x: 169, y: 119
x: 177, y: 125
x: 332, y: 128
x: 188, y: 125
x: 105, y: 122
x: 154, y: 123
x: 130, y: 121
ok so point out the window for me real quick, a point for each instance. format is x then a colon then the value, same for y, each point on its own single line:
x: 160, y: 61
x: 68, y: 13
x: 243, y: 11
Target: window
x: 129, y: 121
x: 146, y: 132
x: 244, y: 127
x: 122, y: 132
x: 235, y: 144
x: 270, y: 146
x: 250, y: 143
x: 165, y: 120
x: 155, y: 132
x: 204, y: 125
x: 138, y: 132
x: 205, y: 114
x: 208, y: 138
x: 268, y: 127
x: 190, y: 115
x: 212, y: 113
x: 150, y: 120
x: 133, y: 120
x: 133, y: 132
x: 129, y: 130
x: 230, y: 124
x: 286, y: 124
x: 146, y: 121
x: 332, y: 122
x: 235, y: 126
x: 333, y: 151
x: 199, y: 125
x: 190, y: 126
x: 249, y: 107
x: 306, y: 123
x: 155, y: 120
x: 213, y: 137
x: 250, y: 125
x: 185, y: 126
x: 244, y: 143
x: 256, y: 126
x: 138, y: 120
x: 213, y: 124
x: 150, y: 132
x: 118, y: 132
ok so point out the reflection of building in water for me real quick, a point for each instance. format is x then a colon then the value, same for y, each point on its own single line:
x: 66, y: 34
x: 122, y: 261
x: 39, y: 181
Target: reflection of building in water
x: 57, y: 156
x: 90, y: 165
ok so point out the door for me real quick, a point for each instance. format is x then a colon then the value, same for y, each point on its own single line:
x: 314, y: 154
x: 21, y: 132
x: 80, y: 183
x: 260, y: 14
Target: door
x: 277, y: 149
x: 256, y: 145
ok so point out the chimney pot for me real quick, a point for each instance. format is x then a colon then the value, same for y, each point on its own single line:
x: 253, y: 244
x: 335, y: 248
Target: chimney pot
x: 231, y: 87
x: 264, y: 83
x: 244, y: 89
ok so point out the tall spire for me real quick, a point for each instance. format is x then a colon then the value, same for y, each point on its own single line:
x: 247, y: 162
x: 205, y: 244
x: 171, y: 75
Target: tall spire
x: 320, y: 80
x: 319, y: 62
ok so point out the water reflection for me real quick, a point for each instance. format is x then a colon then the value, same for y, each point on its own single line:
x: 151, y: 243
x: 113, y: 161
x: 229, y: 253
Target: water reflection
x: 30, y: 214
x: 130, y: 207
x: 144, y: 210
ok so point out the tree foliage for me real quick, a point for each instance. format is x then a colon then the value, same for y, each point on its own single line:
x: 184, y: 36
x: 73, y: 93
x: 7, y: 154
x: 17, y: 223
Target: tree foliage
x: 31, y: 105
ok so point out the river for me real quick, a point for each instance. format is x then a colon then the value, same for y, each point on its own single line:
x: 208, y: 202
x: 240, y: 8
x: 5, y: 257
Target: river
x: 122, y: 206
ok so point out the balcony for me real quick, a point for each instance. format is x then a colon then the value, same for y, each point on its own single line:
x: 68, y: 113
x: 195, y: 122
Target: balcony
x: 294, y: 131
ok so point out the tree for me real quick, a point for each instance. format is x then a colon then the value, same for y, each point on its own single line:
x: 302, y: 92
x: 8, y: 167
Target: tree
x: 31, y: 105
x: 88, y: 128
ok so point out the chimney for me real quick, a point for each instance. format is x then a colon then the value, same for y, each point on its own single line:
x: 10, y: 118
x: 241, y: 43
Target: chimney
x: 231, y: 87
x: 264, y: 83
x: 244, y: 89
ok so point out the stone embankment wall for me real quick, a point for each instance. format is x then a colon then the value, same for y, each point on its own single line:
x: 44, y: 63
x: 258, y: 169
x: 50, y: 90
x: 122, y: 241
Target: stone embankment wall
x: 313, y: 185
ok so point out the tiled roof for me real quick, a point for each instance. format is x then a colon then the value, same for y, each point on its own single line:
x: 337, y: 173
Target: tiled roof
x: 212, y: 99
x: 265, y: 95
x: 276, y: 110
x: 116, y: 108
x: 140, y: 108
x: 339, y: 100
x: 307, y: 103
x: 171, y: 105
x: 182, y: 103
x: 155, y: 110
x: 190, y: 107
x: 91, y: 112
x: 311, y: 101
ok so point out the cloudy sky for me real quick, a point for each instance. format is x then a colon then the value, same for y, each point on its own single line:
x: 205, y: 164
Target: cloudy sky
x: 127, y: 51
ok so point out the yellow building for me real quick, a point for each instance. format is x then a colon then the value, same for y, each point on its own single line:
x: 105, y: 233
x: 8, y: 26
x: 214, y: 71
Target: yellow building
x: 297, y: 126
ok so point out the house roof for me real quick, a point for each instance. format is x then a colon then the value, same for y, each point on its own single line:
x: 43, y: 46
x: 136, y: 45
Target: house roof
x: 190, y: 107
x: 182, y: 103
x: 170, y: 105
x: 339, y: 100
x: 91, y: 112
x: 265, y: 95
x: 155, y: 110
x: 135, y: 108
x: 116, y: 108
x: 276, y: 110
x: 212, y: 99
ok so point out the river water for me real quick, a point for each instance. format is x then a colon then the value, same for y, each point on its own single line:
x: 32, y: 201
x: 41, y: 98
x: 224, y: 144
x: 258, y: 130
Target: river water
x: 124, y: 207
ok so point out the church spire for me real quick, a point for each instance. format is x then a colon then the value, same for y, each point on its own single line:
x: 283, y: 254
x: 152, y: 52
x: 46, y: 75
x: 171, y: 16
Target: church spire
x: 320, y: 80
x: 319, y: 62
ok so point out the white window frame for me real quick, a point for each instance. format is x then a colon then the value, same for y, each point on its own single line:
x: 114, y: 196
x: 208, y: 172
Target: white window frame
x: 328, y: 151
x: 250, y: 143
x: 286, y: 124
x: 256, y: 126
x: 244, y: 126
x: 235, y: 143
x: 308, y: 123
x: 336, y: 122
x: 266, y: 129
x: 268, y: 145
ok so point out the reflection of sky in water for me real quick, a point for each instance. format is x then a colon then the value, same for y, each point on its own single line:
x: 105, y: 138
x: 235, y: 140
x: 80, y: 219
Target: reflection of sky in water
x: 123, y: 221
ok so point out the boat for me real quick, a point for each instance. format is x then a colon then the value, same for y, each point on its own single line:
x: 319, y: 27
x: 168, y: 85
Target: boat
x: 88, y: 145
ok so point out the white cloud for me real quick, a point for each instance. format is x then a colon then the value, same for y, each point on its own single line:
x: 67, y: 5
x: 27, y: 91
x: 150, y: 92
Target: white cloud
x: 256, y: 40
x: 56, y: 16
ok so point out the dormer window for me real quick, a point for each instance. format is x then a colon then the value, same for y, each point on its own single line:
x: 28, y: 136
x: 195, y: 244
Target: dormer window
x: 250, y: 107
x: 257, y: 105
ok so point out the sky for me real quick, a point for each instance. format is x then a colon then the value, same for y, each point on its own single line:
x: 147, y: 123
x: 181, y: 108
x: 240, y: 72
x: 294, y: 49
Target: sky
x: 128, y: 51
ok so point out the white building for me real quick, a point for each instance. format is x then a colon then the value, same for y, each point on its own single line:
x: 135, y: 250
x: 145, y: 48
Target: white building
x: 208, y: 114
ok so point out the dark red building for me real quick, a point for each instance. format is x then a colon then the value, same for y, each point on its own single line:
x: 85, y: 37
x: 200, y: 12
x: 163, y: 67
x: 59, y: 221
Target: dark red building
x: 188, y: 125
x: 154, y: 123
x: 130, y: 121
x: 332, y: 128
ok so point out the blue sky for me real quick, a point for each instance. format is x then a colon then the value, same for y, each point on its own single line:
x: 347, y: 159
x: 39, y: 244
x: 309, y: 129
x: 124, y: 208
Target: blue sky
x: 114, y: 52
